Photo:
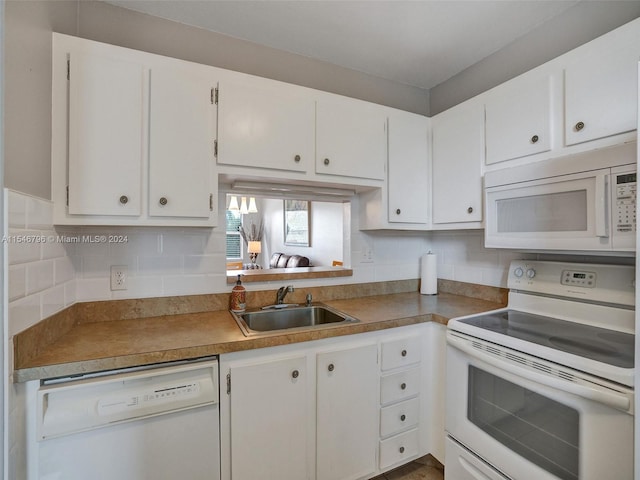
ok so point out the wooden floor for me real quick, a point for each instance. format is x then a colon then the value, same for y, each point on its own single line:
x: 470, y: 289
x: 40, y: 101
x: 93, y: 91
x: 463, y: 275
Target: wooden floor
x: 425, y: 468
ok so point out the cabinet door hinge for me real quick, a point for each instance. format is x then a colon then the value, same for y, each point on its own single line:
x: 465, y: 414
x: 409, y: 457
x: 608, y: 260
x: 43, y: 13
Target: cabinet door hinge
x: 68, y: 69
x: 228, y: 384
x: 211, y: 202
x: 215, y: 148
x: 214, y: 96
x: 67, y: 195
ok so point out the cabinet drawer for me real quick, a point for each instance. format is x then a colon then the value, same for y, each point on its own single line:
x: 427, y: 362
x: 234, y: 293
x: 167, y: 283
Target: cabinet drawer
x: 399, y: 448
x: 399, y: 353
x: 399, y: 417
x: 399, y: 386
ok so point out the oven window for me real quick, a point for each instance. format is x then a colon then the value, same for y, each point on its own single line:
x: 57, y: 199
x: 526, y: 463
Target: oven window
x: 551, y: 212
x: 537, y: 428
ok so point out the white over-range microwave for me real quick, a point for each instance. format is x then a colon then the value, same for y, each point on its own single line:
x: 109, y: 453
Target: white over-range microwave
x: 582, y: 202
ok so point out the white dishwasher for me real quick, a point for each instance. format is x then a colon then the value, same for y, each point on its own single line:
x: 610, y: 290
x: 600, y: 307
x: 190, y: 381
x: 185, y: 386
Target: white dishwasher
x: 159, y: 423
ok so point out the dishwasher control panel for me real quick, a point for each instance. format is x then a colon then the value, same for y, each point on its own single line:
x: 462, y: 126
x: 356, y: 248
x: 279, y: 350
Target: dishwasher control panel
x: 139, y: 400
x: 84, y: 404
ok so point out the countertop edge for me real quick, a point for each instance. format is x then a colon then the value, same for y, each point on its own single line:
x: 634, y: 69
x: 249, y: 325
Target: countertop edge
x: 78, y: 368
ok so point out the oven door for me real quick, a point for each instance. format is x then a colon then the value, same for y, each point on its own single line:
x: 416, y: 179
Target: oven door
x: 567, y: 212
x: 520, y: 416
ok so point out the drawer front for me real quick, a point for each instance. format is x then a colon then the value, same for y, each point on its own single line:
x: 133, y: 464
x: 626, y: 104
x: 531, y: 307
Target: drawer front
x: 400, y: 353
x: 399, y: 417
x: 399, y: 448
x: 399, y: 386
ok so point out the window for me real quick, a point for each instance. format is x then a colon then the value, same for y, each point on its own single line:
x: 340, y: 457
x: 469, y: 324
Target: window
x: 234, y: 241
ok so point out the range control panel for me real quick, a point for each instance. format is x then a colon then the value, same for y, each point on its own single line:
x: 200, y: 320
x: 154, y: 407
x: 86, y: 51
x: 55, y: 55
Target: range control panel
x: 624, y: 213
x: 595, y: 282
x: 578, y: 278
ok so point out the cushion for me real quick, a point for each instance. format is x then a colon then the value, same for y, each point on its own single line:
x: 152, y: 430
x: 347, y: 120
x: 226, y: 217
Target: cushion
x: 282, y: 260
x: 297, y: 261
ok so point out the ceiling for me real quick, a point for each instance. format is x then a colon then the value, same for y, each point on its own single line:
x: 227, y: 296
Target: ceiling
x: 419, y: 43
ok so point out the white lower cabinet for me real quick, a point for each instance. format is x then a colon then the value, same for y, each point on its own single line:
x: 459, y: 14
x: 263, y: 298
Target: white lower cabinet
x: 347, y: 383
x: 401, y: 389
x: 332, y: 409
x: 269, y: 428
x: 399, y: 449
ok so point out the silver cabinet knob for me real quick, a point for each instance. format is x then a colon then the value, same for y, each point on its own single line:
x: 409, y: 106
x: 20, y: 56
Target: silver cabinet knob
x: 326, y: 161
x: 579, y: 126
x: 163, y: 201
x: 470, y: 210
x: 297, y: 158
x: 295, y: 374
x: 331, y: 367
x: 124, y: 199
x: 535, y: 139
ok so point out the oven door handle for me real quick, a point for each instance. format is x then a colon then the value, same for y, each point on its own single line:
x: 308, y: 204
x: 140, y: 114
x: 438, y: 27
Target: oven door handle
x: 606, y: 397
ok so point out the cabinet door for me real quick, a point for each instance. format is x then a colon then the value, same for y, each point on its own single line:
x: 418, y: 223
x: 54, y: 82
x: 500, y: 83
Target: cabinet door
x: 265, y: 124
x: 181, y: 136
x: 269, y: 426
x: 105, y: 136
x: 347, y: 385
x: 351, y: 139
x: 601, y: 89
x: 458, y: 152
x: 408, y: 176
x: 518, y: 119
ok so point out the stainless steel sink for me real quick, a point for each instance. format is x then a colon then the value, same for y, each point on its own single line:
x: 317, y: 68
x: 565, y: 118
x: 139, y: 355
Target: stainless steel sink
x: 289, y: 318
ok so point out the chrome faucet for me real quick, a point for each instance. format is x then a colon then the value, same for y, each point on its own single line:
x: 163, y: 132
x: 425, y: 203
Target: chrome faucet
x: 282, y: 292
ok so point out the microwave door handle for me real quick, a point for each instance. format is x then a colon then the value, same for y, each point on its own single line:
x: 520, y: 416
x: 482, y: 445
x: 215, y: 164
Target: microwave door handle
x: 596, y: 394
x: 601, y: 206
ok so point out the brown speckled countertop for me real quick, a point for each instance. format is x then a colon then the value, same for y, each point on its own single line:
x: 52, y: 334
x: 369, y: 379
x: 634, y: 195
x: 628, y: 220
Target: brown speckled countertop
x: 73, y: 343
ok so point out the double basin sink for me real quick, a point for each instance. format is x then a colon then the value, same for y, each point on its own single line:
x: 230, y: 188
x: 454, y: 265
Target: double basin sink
x: 289, y: 317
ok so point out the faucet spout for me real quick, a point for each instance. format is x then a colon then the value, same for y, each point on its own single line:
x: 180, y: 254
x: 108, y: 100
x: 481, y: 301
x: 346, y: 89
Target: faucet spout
x: 282, y: 292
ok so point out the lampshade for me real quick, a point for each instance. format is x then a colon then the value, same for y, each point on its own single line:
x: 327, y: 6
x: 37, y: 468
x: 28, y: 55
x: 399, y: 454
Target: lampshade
x: 243, y: 206
x: 252, y: 205
x: 233, y: 204
x: 254, y: 247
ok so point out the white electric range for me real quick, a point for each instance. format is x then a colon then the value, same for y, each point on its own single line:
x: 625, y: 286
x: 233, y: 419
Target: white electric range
x: 544, y: 387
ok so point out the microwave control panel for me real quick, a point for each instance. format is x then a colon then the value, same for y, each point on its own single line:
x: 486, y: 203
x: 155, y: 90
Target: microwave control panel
x: 624, y: 213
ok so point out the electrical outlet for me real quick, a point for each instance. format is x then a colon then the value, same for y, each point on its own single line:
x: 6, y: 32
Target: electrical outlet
x: 118, y: 277
x: 367, y: 255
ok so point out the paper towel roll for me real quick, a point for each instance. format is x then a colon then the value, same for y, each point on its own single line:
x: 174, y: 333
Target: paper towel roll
x: 429, y: 274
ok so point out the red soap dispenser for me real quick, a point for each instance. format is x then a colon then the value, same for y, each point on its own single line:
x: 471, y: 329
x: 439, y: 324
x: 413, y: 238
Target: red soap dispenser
x: 238, y: 299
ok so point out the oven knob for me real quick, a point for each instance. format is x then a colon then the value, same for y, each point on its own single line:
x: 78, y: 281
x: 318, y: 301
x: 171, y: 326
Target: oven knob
x: 531, y: 273
x: 518, y: 272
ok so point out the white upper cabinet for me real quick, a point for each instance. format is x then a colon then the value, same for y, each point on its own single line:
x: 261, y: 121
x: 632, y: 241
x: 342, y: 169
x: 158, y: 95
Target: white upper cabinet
x: 351, y: 138
x: 141, y: 129
x: 518, y: 118
x: 458, y: 153
x: 408, y: 175
x: 601, y: 86
x: 265, y: 124
x: 105, y: 135
x: 182, y: 129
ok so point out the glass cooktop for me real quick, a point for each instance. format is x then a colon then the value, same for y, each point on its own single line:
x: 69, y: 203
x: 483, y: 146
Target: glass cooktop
x: 599, y: 344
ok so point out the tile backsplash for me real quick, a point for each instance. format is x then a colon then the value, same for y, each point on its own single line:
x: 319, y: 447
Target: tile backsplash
x: 51, y: 267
